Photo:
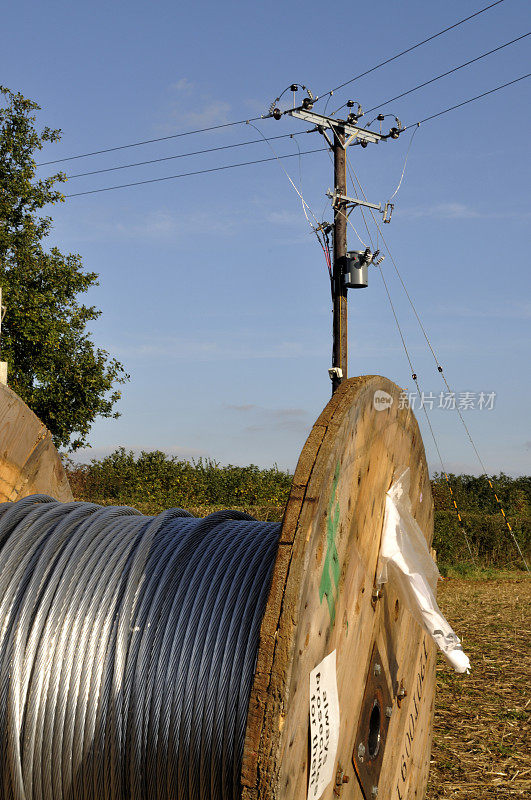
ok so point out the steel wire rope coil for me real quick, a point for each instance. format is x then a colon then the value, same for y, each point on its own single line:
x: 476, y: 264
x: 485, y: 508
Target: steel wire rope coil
x: 128, y: 647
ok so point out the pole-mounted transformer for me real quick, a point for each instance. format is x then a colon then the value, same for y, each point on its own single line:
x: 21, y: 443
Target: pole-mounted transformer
x: 356, y: 274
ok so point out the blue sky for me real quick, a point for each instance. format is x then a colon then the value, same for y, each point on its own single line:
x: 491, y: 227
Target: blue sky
x: 214, y: 292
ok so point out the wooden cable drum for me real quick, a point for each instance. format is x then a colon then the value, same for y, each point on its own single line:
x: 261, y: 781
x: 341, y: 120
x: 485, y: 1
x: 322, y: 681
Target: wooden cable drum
x: 321, y: 600
x: 321, y: 604
x: 29, y: 462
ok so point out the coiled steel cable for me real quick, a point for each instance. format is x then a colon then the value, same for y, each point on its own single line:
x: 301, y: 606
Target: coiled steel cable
x: 128, y: 647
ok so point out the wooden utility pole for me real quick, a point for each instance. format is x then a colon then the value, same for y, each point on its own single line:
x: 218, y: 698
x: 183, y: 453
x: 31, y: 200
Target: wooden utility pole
x: 339, y: 134
x: 339, y: 289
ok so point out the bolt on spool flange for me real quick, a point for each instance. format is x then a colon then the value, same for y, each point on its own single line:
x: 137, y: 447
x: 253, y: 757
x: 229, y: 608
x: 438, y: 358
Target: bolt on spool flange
x: 401, y: 693
x: 341, y: 778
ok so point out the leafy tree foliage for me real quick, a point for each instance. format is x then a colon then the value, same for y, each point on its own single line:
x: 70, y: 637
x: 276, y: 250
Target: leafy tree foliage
x: 53, y: 364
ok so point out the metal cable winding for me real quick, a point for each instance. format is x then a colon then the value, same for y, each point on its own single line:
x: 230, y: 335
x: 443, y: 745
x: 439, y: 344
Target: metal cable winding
x: 128, y: 647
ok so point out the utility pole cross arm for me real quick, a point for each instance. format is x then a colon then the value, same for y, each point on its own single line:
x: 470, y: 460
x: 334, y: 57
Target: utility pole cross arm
x: 351, y: 131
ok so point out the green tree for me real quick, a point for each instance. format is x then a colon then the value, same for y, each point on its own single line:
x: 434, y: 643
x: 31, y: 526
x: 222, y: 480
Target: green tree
x: 53, y: 364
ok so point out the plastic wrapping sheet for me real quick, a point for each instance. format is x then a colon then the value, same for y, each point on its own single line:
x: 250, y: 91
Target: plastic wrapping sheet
x: 405, y: 557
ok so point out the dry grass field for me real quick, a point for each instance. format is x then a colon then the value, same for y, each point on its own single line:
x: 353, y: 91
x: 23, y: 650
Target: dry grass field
x: 482, y: 747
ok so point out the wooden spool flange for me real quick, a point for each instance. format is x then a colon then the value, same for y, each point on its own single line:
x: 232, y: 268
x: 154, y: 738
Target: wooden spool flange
x: 29, y: 462
x: 321, y: 600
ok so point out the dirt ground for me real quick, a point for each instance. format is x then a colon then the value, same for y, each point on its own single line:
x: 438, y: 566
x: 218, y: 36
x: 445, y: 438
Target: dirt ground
x: 481, y: 743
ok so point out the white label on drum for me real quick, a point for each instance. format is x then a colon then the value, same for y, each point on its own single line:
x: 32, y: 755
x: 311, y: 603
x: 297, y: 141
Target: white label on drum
x: 324, y: 725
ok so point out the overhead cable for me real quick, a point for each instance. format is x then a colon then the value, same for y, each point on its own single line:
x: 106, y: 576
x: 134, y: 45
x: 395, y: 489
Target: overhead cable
x: 148, y: 141
x: 288, y: 176
x: 449, y: 72
x: 317, y: 229
x: 354, y: 178
x: 440, y: 370
x: 255, y: 119
x: 410, y: 49
x: 470, y: 100
x: 182, y: 155
x: 405, y: 164
x: 304, y: 152
x: 195, y: 172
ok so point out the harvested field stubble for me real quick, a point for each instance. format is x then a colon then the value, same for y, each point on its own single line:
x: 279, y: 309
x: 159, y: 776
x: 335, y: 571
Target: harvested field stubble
x: 481, y: 743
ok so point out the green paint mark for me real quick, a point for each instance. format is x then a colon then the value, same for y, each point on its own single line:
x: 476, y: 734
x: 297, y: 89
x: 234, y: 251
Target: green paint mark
x: 331, y: 569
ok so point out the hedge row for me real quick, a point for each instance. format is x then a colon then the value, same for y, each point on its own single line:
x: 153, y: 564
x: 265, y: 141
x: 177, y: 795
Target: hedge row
x: 153, y: 481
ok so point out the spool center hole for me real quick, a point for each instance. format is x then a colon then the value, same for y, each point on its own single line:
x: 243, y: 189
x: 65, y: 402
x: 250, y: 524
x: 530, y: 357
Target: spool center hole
x: 373, y: 742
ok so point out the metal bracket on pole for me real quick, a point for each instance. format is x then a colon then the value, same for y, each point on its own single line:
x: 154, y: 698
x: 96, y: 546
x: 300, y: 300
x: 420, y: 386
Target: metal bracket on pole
x: 350, y: 201
x: 338, y: 198
x: 326, y: 136
x: 351, y: 131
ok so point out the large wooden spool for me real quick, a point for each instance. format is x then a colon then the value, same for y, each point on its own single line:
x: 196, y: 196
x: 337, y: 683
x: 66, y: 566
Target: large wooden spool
x: 29, y: 462
x: 321, y: 600
x: 321, y: 597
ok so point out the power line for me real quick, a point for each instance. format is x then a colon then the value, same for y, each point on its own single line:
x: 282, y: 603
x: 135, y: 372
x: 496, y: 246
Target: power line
x: 449, y: 72
x: 410, y: 49
x: 305, y: 152
x: 405, y: 164
x: 354, y: 178
x: 425, y: 410
x: 149, y: 141
x: 254, y: 119
x: 288, y: 176
x: 196, y: 172
x: 443, y: 376
x: 181, y: 155
x: 318, y: 226
x: 470, y: 100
